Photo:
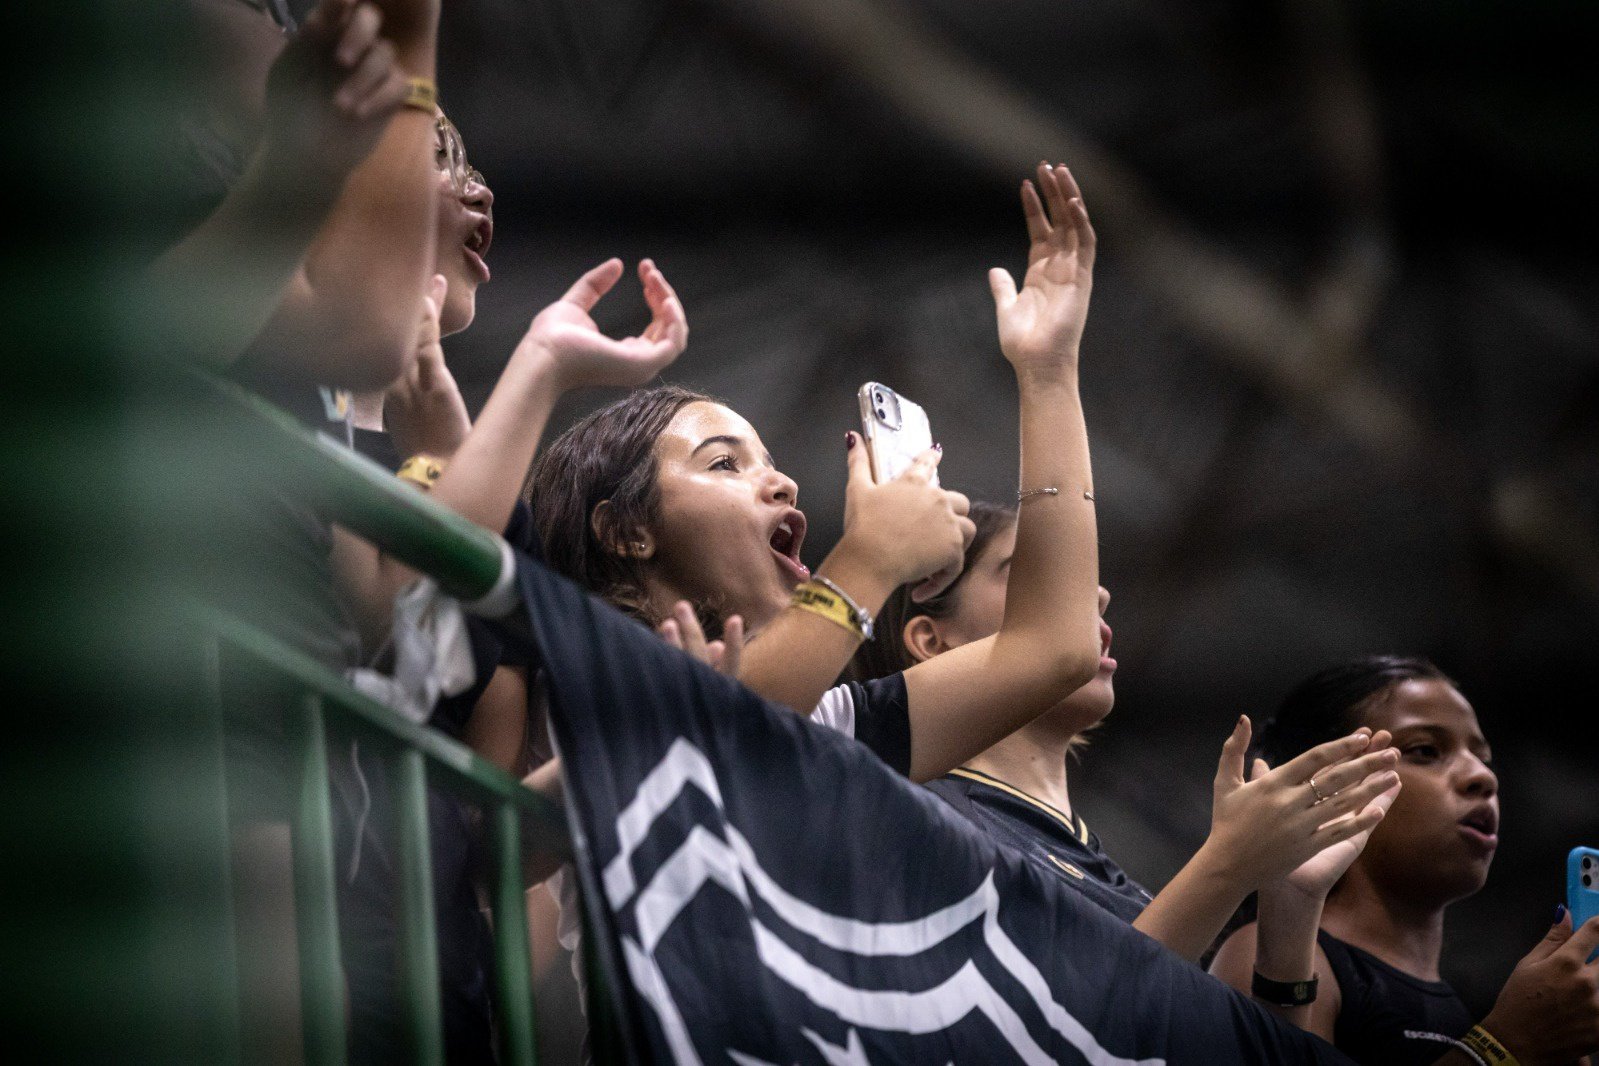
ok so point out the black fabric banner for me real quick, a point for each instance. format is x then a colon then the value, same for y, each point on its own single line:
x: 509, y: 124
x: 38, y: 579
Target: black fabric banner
x: 776, y: 895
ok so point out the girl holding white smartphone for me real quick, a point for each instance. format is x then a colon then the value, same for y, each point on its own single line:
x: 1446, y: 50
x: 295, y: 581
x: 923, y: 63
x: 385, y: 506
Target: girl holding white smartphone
x: 670, y: 496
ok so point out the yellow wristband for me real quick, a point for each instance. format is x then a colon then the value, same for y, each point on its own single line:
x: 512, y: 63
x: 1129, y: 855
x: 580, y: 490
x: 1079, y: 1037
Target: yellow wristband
x: 421, y: 94
x: 1481, y: 1043
x: 819, y: 599
x: 421, y: 470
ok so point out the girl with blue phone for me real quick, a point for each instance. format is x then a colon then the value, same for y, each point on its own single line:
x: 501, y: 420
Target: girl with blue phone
x: 1367, y: 933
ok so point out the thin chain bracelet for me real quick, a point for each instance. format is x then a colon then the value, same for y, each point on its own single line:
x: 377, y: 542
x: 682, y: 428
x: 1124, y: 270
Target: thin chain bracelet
x: 1049, y: 491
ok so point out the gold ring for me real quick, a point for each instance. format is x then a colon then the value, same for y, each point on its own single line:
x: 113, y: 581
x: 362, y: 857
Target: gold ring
x: 1319, y: 797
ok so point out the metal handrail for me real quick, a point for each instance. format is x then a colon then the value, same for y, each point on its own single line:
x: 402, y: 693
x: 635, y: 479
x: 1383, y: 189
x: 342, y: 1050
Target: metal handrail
x: 468, y: 562
x: 474, y: 566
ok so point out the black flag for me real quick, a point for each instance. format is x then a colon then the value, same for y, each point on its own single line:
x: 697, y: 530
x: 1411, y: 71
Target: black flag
x: 776, y: 895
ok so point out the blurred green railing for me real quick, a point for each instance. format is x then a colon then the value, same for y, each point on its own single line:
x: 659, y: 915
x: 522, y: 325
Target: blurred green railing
x: 476, y: 567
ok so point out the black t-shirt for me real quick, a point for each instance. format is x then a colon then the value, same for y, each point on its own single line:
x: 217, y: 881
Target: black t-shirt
x: 876, y: 713
x: 268, y: 563
x: 1057, y: 841
x: 1389, y: 1017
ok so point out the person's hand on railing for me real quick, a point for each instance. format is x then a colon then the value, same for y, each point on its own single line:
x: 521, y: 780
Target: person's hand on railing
x: 332, y: 91
x: 577, y: 352
x: 423, y: 411
x: 683, y: 632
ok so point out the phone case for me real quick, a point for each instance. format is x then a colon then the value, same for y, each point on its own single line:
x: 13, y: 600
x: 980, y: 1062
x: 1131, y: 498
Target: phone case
x: 1582, y: 887
x: 896, y: 431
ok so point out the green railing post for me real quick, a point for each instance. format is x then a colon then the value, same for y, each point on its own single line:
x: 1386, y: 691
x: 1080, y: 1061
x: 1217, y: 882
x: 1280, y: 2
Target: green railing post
x: 321, y: 978
x: 419, y: 945
x: 227, y: 1027
x: 513, y: 962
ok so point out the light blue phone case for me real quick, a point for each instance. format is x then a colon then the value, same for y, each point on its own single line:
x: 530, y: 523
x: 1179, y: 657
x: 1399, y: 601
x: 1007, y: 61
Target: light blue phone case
x: 1582, y: 887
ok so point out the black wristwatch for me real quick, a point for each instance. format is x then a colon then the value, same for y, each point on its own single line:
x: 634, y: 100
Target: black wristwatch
x: 1283, y: 993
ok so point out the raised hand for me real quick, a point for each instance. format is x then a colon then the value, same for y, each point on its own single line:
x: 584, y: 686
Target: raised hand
x: 582, y: 355
x: 333, y: 89
x: 908, y: 528
x: 683, y: 632
x: 423, y: 410
x: 1266, y: 825
x: 1041, y: 326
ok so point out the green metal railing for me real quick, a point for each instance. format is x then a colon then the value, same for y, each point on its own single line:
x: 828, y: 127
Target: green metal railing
x: 476, y: 567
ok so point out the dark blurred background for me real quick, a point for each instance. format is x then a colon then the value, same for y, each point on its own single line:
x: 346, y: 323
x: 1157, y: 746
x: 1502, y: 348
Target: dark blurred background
x: 1341, y: 373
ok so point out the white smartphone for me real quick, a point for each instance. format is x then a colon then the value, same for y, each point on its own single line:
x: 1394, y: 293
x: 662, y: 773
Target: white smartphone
x: 896, y: 431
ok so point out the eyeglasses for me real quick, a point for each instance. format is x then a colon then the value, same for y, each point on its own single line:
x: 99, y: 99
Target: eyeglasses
x: 450, y: 157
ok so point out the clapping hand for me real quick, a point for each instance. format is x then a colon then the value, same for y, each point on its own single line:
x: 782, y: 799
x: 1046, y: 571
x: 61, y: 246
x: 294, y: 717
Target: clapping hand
x: 1268, y: 824
x: 1315, y: 877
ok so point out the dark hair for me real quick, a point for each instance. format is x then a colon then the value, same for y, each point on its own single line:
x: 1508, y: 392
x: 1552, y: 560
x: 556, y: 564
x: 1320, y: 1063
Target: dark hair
x: 1332, y: 703
x: 610, y: 455
x: 886, y: 653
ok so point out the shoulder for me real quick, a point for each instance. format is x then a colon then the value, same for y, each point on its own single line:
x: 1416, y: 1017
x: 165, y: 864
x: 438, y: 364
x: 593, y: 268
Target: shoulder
x: 836, y: 709
x: 876, y: 713
x: 845, y: 706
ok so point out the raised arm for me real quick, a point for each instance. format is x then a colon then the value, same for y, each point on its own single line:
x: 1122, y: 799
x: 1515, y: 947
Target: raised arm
x: 488, y: 462
x: 965, y: 700
x: 348, y: 316
x: 562, y: 350
x: 330, y: 95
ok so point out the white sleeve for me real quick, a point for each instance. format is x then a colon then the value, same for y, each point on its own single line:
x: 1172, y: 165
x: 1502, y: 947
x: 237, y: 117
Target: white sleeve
x: 836, y: 710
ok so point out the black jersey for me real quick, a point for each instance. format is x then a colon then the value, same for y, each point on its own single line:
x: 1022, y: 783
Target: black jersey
x: 1390, y: 1017
x: 1060, y: 842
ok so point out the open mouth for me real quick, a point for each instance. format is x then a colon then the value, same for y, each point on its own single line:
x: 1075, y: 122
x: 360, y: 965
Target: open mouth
x: 1106, y: 663
x: 477, y: 246
x: 785, y: 542
x: 1481, y: 826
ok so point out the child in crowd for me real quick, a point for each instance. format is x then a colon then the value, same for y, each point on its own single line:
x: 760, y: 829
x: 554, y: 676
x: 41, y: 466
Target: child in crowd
x: 1359, y: 933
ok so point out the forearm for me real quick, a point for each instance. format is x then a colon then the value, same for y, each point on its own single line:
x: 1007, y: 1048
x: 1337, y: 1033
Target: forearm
x: 539, y: 861
x: 497, y: 726
x: 1285, y: 945
x: 799, y: 655
x: 354, y: 314
x: 1191, y: 911
x: 350, y: 317
x: 212, y: 300
x: 484, y: 478
x: 1051, y: 596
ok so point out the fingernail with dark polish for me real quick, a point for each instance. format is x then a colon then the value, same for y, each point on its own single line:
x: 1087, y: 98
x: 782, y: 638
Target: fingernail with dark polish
x: 849, y: 441
x: 1560, y: 912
